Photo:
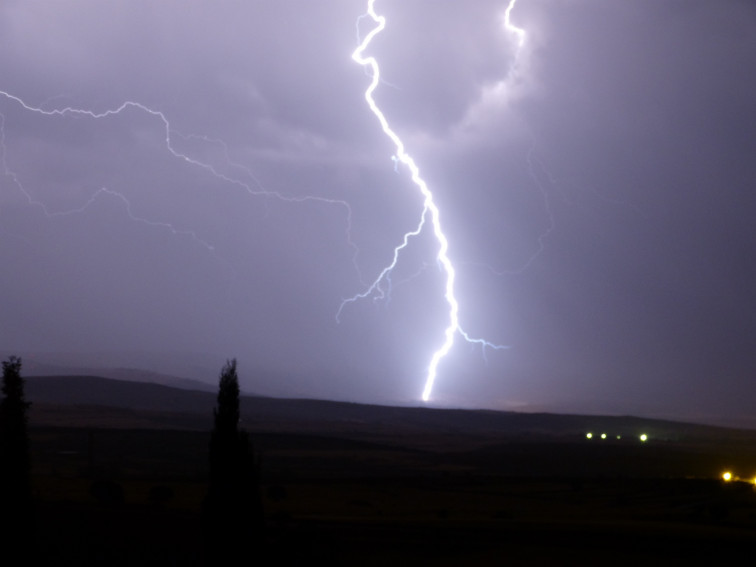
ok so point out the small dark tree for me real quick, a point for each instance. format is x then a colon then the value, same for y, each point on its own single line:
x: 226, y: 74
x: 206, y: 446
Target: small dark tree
x: 15, y: 439
x: 232, y: 511
x: 15, y: 466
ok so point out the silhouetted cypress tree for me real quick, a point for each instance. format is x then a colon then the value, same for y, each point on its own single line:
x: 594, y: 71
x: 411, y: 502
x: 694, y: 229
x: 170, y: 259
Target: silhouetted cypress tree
x: 232, y: 512
x: 15, y: 465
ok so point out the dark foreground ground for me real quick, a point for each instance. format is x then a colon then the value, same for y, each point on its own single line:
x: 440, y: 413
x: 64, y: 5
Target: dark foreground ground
x: 344, y: 484
x: 452, y: 522
x: 121, y: 496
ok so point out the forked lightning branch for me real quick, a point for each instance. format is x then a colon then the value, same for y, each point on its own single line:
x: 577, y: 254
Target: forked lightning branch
x: 430, y: 213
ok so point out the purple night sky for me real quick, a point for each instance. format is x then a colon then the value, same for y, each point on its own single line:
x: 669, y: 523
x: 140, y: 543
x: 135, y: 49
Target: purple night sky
x: 598, y: 190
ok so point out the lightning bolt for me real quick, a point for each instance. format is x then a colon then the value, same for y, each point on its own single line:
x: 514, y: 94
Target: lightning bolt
x: 430, y: 211
x: 519, y: 33
x: 252, y: 187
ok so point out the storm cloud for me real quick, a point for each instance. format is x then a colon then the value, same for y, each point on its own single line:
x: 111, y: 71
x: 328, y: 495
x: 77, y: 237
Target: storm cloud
x: 597, y: 187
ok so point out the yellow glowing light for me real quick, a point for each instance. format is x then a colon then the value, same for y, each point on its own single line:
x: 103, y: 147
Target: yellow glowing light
x: 727, y: 477
x: 619, y: 436
x: 589, y: 435
x: 603, y: 435
x: 644, y: 437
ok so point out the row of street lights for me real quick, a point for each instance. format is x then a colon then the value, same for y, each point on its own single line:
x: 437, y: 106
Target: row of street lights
x: 727, y: 476
x: 642, y: 437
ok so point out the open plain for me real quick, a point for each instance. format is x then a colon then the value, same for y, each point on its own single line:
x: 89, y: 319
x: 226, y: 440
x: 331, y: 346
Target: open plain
x: 120, y: 472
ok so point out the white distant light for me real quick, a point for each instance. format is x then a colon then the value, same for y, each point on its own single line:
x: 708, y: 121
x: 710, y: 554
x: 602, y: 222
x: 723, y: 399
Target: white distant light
x: 603, y: 435
x: 589, y: 435
x: 727, y: 476
x: 643, y: 437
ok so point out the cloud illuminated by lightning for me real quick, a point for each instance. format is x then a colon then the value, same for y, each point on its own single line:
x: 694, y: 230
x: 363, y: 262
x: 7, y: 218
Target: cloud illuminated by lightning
x: 430, y: 210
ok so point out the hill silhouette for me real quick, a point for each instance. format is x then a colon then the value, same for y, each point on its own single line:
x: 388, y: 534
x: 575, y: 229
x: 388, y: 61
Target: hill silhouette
x: 341, y: 477
x: 92, y: 396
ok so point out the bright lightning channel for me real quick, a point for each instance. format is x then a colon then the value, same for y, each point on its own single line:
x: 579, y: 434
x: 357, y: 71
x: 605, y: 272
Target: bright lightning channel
x: 429, y: 209
x: 519, y: 33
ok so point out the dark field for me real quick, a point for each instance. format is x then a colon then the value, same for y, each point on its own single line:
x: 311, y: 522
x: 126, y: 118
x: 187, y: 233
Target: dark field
x: 361, y: 485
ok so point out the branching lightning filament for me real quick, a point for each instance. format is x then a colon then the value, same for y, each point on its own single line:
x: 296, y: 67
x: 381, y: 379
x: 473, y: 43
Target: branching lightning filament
x: 430, y: 212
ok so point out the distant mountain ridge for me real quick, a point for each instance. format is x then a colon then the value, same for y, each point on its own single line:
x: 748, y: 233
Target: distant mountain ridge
x: 37, y: 369
x: 73, y: 396
x: 128, y: 394
x: 198, y: 371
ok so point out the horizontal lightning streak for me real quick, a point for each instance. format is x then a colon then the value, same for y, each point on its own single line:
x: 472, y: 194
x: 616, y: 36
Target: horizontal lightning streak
x: 103, y: 190
x: 256, y: 190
